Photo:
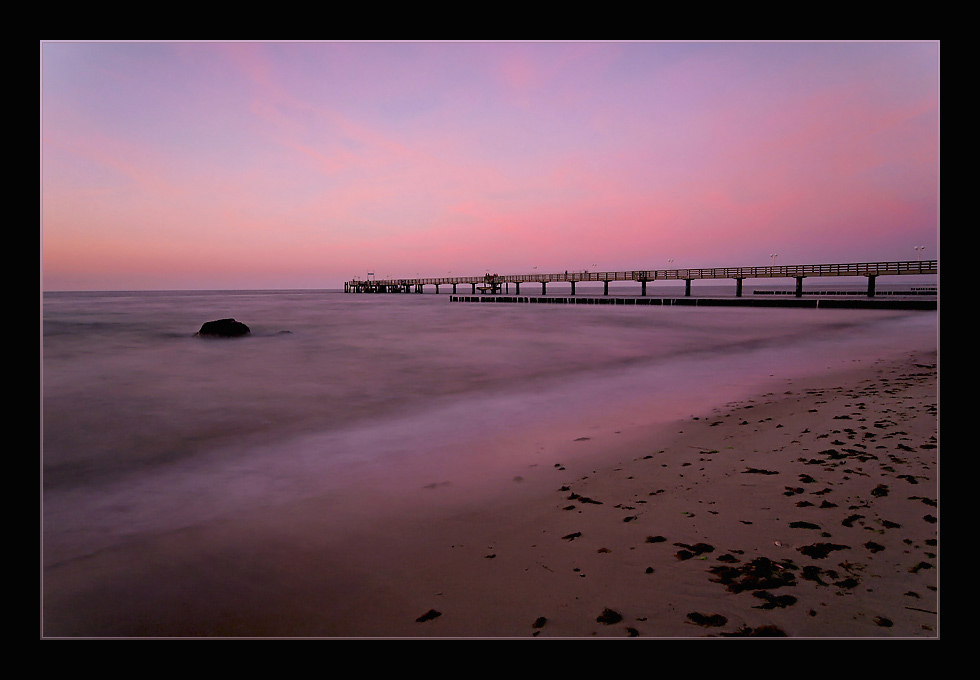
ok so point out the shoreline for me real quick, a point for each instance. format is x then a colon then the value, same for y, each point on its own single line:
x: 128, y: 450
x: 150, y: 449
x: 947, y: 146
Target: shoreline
x: 745, y: 523
x: 805, y: 512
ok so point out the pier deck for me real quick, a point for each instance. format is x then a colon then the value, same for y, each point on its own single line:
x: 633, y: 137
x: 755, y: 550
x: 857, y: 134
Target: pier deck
x: 492, y: 284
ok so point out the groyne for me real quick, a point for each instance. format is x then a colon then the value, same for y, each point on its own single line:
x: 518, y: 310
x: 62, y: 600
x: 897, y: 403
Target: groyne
x: 778, y: 301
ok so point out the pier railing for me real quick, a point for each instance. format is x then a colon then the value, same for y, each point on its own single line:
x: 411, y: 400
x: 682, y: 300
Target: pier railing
x: 493, y: 282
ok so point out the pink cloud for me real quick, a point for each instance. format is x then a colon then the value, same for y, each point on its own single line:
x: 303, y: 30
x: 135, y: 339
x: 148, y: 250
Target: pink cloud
x: 317, y: 160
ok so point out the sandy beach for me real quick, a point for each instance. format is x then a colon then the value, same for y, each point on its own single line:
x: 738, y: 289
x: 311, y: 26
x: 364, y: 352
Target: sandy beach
x: 806, y: 512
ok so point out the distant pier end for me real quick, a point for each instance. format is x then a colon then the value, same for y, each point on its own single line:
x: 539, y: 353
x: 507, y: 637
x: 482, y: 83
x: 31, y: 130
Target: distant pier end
x: 493, y: 284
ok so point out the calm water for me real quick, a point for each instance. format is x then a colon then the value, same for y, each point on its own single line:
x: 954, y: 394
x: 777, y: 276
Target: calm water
x: 148, y: 428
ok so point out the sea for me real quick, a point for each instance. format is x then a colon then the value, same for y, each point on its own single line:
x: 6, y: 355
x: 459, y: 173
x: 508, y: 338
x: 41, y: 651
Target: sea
x: 148, y: 428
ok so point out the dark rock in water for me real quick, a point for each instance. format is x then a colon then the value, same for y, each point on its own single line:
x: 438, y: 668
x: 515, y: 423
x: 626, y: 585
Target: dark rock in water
x: 224, y: 328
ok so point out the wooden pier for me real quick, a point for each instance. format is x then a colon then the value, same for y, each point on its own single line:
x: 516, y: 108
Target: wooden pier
x: 493, y: 284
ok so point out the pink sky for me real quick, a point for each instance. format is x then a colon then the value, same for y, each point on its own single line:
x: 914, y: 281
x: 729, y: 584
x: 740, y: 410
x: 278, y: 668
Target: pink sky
x: 302, y: 165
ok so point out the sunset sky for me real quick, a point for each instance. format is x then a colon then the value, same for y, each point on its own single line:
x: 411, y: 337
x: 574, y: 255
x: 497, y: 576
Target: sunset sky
x: 228, y: 165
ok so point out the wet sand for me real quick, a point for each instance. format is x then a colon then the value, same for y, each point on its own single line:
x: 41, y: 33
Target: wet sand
x: 810, y: 511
